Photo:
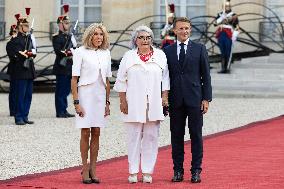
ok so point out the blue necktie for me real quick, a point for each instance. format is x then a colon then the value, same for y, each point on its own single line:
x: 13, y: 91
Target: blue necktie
x: 181, y: 54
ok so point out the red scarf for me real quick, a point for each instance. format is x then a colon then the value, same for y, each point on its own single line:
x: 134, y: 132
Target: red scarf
x: 145, y: 57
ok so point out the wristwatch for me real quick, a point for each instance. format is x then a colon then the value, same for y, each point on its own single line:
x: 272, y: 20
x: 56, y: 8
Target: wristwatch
x: 75, y: 102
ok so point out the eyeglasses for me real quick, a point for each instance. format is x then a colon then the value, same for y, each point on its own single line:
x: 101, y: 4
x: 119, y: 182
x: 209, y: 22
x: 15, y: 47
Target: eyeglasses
x: 144, y: 37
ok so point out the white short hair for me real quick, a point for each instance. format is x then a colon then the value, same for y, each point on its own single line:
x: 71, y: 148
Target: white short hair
x: 135, y: 35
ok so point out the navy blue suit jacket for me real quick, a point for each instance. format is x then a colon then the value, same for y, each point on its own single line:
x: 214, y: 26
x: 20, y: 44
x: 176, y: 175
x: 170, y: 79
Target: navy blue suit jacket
x: 191, y: 83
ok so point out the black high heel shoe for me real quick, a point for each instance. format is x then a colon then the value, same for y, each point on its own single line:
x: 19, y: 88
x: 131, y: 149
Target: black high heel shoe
x: 86, y: 181
x: 94, y: 180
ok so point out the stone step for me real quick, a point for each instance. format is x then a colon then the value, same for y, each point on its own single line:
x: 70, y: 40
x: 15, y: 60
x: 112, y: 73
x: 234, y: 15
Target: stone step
x: 252, y: 86
x: 271, y: 77
x: 273, y: 58
x: 257, y: 65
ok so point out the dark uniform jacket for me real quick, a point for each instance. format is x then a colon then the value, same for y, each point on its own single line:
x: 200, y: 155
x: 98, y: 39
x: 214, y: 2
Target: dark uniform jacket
x: 9, y: 50
x: 59, y: 44
x: 18, y: 71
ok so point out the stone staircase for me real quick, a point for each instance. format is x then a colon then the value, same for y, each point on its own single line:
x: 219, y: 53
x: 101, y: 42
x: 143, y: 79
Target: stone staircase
x: 251, y: 77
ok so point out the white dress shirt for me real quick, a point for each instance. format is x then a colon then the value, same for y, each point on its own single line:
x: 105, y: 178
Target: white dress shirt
x: 179, y: 47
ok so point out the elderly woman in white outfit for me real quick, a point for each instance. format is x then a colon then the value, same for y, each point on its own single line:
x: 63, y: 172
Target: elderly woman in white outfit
x: 91, y: 67
x: 143, y: 84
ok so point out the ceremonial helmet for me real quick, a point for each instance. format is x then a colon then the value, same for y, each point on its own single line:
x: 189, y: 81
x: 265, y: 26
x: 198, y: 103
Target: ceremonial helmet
x: 171, y: 8
x: 228, y: 3
x: 23, y: 20
x: 13, y: 29
x: 64, y: 16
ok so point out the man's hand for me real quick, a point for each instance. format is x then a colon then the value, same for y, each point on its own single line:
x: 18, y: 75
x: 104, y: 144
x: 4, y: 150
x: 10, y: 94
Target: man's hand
x: 204, y: 106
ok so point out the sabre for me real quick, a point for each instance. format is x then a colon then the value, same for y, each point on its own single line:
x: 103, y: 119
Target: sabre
x: 167, y: 11
x: 224, y: 5
x: 75, y: 26
x: 32, y: 26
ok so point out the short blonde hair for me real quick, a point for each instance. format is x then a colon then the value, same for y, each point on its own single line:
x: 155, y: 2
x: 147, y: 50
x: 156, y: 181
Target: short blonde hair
x: 88, y: 35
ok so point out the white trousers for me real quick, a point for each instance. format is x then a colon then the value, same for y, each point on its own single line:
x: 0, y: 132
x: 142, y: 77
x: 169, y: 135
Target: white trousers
x: 142, y: 141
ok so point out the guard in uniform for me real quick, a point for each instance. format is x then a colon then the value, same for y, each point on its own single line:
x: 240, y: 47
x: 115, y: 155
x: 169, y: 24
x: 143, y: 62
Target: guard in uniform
x: 167, y: 33
x: 9, y: 49
x: 23, y: 72
x: 226, y: 34
x: 63, y: 42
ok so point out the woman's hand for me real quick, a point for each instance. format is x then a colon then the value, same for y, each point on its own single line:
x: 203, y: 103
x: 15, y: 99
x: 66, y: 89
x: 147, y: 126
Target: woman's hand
x: 79, y: 110
x: 124, y: 107
x: 107, y: 110
x: 165, y: 101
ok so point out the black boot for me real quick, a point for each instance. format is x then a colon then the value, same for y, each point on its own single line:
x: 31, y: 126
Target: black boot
x: 223, y: 68
x: 226, y: 70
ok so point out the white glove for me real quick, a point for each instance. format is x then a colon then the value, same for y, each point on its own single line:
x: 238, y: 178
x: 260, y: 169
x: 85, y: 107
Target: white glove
x: 33, y: 41
x: 221, y: 18
x: 73, y: 40
x: 34, y: 51
x: 235, y: 35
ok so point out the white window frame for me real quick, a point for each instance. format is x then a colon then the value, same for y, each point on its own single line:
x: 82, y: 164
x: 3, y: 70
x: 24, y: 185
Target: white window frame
x: 276, y: 7
x: 3, y: 7
x: 182, y: 5
x: 81, y: 8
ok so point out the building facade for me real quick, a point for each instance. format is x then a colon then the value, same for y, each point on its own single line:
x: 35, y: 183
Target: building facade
x: 117, y: 15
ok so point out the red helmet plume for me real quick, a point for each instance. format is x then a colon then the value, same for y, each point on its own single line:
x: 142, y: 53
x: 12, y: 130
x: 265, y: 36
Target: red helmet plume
x: 28, y: 11
x: 66, y: 9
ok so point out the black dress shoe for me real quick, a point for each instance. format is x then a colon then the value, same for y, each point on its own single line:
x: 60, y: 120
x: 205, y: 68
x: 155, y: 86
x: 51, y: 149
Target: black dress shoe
x: 20, y: 123
x: 178, y: 177
x: 195, y: 177
x: 61, y: 116
x: 28, y: 122
x: 69, y: 115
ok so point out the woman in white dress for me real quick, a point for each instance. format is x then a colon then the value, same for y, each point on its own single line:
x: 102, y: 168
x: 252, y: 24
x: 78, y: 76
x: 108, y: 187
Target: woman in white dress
x: 142, y: 77
x: 90, y: 89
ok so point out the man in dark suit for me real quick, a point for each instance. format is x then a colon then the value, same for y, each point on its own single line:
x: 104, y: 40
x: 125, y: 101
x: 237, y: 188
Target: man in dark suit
x: 189, y: 97
x: 62, y: 43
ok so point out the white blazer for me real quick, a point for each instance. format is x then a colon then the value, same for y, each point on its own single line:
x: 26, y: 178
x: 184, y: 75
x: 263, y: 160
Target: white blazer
x: 143, y: 83
x: 88, y: 63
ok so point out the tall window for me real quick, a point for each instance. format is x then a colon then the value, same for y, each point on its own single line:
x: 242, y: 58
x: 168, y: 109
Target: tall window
x: 185, y: 8
x: 277, y: 6
x: 188, y: 8
x: 2, y: 8
x: 2, y: 23
x: 272, y: 29
x: 84, y: 10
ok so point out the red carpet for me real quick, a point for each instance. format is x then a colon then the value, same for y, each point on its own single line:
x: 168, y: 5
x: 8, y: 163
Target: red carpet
x: 247, y: 157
